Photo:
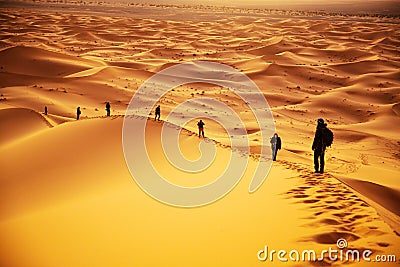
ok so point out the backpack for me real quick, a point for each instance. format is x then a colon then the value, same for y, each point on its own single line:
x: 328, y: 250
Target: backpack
x: 279, y: 143
x: 327, y: 137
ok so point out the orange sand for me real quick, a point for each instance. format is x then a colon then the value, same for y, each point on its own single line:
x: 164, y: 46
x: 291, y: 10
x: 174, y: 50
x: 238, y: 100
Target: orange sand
x: 68, y: 199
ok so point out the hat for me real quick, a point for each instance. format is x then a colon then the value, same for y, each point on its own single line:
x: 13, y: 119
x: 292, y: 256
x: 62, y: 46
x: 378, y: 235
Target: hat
x: 320, y: 120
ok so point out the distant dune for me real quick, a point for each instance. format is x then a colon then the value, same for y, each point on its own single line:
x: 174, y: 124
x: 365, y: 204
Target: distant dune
x: 350, y: 6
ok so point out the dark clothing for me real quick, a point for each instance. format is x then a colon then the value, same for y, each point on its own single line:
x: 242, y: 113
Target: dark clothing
x: 45, y: 110
x: 201, y: 124
x: 158, y: 113
x: 276, y: 145
x: 319, y: 148
x: 319, y: 155
x: 78, y: 113
x: 318, y: 139
x: 108, y: 108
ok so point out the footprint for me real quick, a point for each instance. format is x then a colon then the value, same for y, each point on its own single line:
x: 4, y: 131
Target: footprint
x: 383, y: 244
x: 304, y: 187
x: 331, y: 201
x: 358, y: 216
x: 298, y: 190
x: 332, y: 207
x: 310, y: 201
x: 301, y: 196
x: 322, y: 191
x: 329, y: 221
x: 332, y: 237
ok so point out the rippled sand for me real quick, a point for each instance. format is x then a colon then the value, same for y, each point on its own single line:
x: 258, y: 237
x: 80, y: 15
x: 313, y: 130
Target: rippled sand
x: 67, y: 197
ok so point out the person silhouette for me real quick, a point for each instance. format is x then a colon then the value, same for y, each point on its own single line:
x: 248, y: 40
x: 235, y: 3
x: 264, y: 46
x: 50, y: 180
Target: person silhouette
x: 45, y: 110
x: 78, y: 112
x: 276, y: 145
x: 158, y: 113
x: 201, y: 124
x: 322, y: 139
x: 108, y: 109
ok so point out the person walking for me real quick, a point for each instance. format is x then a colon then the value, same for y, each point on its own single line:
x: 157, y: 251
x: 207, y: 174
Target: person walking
x: 158, y: 113
x: 78, y: 113
x: 108, y: 109
x: 322, y: 139
x: 201, y: 124
x: 276, y: 144
x: 45, y: 110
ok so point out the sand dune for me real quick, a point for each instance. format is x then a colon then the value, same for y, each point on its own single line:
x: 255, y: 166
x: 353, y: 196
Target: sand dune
x: 96, y: 200
x: 39, y: 62
x: 67, y: 197
x: 20, y: 122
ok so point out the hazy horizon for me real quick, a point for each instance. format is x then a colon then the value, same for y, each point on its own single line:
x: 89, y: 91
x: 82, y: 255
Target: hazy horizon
x: 379, y: 6
x: 391, y: 7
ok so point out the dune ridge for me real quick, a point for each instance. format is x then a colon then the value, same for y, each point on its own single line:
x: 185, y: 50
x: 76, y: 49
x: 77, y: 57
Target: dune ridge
x: 321, y: 208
